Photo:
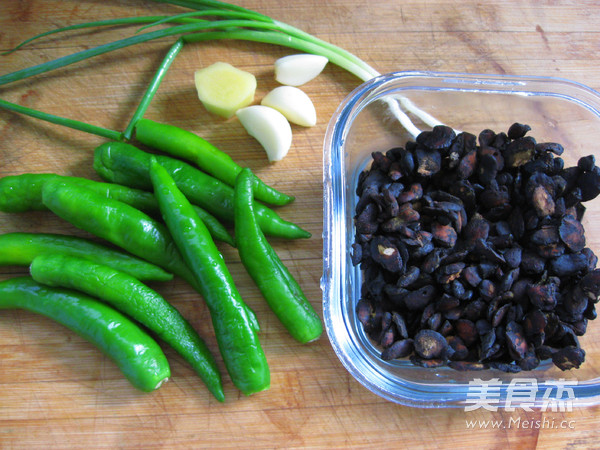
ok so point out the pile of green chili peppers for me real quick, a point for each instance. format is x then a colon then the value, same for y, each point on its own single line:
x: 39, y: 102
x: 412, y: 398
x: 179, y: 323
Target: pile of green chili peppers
x: 162, y: 216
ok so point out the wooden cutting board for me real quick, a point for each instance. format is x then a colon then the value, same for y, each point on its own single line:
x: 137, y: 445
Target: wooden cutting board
x: 57, y: 391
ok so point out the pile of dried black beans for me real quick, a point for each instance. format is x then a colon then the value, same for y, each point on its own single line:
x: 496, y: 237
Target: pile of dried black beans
x: 472, y: 251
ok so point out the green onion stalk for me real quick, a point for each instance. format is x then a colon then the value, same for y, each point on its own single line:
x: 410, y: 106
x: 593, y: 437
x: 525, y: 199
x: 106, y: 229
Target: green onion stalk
x: 210, y: 20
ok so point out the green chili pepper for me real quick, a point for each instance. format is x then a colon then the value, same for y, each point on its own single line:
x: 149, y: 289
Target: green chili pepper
x: 117, y: 222
x: 125, y: 164
x: 21, y: 248
x: 135, y: 299
x: 20, y: 193
x: 281, y: 291
x: 121, y: 224
x: 234, y: 329
x: 191, y: 147
x: 138, y: 356
x: 215, y: 228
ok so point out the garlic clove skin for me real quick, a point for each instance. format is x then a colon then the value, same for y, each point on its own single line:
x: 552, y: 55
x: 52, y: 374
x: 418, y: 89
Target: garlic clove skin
x: 295, y: 70
x: 269, y: 127
x: 293, y: 103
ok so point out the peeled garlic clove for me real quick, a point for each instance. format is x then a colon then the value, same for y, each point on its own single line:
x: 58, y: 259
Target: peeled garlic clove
x: 269, y: 127
x: 293, y: 103
x: 295, y: 70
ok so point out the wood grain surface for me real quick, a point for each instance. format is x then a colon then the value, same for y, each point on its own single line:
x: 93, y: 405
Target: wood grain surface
x: 57, y: 391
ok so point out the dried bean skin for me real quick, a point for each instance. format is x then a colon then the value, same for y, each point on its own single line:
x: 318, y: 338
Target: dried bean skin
x: 571, y: 233
x: 398, y: 349
x: 477, y: 241
x: 568, y: 358
x: 430, y: 344
x: 518, y: 130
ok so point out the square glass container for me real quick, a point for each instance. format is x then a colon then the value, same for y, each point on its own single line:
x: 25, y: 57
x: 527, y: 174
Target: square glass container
x: 557, y: 110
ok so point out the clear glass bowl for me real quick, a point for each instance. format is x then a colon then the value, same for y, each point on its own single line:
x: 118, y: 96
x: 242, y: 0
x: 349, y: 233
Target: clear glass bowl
x: 557, y: 110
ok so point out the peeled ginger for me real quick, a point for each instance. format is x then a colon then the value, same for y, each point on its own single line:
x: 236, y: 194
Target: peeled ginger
x: 223, y: 89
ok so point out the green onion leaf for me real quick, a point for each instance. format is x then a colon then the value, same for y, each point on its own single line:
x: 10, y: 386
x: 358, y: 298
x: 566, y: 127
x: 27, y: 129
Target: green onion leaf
x: 70, y: 123
x: 102, y: 23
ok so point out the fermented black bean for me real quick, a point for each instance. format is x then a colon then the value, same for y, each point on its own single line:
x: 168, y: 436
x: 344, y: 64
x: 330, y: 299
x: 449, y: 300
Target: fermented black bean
x: 472, y: 251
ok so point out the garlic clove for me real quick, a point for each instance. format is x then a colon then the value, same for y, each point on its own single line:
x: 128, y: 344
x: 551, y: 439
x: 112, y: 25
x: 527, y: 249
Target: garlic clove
x: 293, y: 103
x: 269, y: 127
x: 295, y: 70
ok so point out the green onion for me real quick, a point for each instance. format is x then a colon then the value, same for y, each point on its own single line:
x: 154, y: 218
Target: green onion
x: 362, y: 72
x: 101, y: 23
x: 300, y: 40
x: 153, y: 87
x: 207, y: 12
x: 199, y: 4
x: 234, y: 22
x: 105, y: 48
x: 284, y: 35
x: 71, y: 123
